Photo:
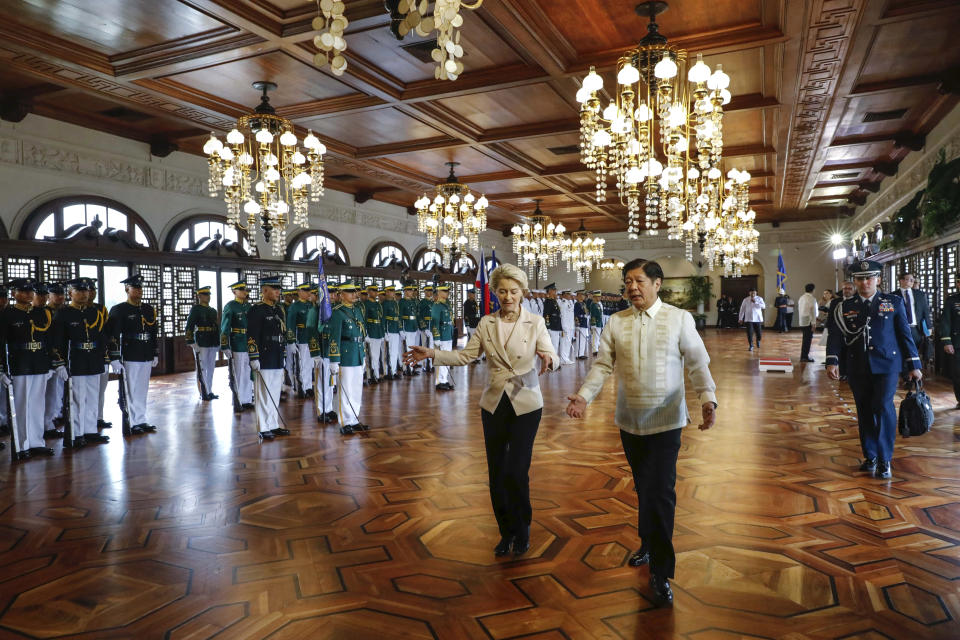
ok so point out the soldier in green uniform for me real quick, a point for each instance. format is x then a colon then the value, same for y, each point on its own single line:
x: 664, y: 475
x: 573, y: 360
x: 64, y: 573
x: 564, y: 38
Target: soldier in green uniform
x: 266, y: 344
x: 346, y: 353
x: 298, y: 335
x: 596, y: 321
x: 105, y: 376
x: 323, y: 386
x: 373, y: 317
x: 53, y: 403
x: 441, y: 326
x: 950, y: 335
x: 203, y: 338
x: 233, y: 343
x: 408, y: 323
x: 423, y: 319
x: 391, y: 328
x: 135, y: 350
x: 80, y: 340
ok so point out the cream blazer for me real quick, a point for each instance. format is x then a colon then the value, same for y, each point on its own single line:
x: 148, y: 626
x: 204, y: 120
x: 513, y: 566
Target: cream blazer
x: 506, y: 362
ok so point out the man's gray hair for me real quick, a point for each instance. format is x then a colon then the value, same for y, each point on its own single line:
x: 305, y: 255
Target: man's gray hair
x: 510, y: 272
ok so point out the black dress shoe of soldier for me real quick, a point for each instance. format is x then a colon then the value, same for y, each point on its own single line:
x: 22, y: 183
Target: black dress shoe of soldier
x: 639, y: 558
x: 662, y: 593
x: 266, y: 435
x: 79, y: 442
x: 503, y: 547
x: 96, y: 438
x: 280, y: 431
x: 103, y: 424
x: 41, y: 451
x: 52, y: 433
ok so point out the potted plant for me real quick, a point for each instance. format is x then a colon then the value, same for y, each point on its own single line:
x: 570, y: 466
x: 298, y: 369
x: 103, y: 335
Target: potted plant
x: 700, y: 292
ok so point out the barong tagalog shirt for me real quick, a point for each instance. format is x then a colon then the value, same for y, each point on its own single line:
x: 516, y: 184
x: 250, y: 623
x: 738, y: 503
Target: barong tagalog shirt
x: 650, y: 350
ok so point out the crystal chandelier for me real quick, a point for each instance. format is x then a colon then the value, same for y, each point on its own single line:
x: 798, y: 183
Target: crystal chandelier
x: 454, y: 219
x: 330, y: 24
x: 583, y: 252
x: 725, y: 233
x: 261, y: 171
x: 661, y: 137
x: 538, y: 244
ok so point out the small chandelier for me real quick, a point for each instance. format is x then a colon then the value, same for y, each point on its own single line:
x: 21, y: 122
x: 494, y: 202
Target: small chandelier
x: 729, y: 238
x: 583, y: 253
x: 610, y: 264
x: 454, y: 219
x: 661, y: 137
x: 538, y: 244
x: 261, y: 171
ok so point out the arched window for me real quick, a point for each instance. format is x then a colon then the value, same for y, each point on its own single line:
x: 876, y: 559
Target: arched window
x: 428, y: 260
x: 66, y: 218
x: 196, y: 234
x: 309, y: 244
x: 465, y: 264
x: 388, y: 254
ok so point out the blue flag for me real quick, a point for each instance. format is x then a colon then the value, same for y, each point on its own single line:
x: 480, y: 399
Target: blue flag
x: 781, y: 272
x: 494, y: 302
x: 324, y: 296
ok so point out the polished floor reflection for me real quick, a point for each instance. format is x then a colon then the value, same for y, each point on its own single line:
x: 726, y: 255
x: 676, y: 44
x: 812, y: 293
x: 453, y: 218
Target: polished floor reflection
x: 199, y: 531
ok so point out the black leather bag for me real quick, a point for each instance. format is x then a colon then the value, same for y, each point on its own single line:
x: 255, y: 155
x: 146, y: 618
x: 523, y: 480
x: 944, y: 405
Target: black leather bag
x: 916, y: 412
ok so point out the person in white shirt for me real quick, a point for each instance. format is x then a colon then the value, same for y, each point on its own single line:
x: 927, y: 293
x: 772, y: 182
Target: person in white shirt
x: 807, y: 309
x: 569, y: 326
x: 648, y: 346
x: 751, y: 315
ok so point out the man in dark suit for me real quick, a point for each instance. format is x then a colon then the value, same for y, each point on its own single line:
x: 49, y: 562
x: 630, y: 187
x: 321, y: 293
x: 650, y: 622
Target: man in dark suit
x: 918, y: 312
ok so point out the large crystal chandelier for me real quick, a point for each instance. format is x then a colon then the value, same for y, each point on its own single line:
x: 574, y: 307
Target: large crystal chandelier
x: 538, y: 244
x: 453, y: 219
x: 661, y: 137
x: 583, y: 253
x: 729, y: 238
x: 262, y: 172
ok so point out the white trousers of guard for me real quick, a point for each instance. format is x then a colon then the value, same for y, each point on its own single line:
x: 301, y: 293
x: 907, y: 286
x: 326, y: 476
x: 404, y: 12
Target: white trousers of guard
x: 306, y: 366
x: 595, y: 338
x: 324, y: 394
x: 266, y: 396
x: 83, y: 404
x: 208, y: 362
x: 426, y: 340
x: 583, y: 340
x: 374, y: 348
x: 288, y: 361
x: 566, y: 346
x: 241, y: 376
x: 443, y: 372
x: 137, y: 378
x: 53, y: 402
x: 393, y: 353
x: 349, y: 395
x: 411, y: 339
x: 104, y: 381
x: 555, y: 341
x: 28, y: 394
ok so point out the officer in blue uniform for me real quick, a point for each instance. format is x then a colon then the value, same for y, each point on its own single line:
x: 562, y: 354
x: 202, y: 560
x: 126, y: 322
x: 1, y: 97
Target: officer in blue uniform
x: 875, y: 339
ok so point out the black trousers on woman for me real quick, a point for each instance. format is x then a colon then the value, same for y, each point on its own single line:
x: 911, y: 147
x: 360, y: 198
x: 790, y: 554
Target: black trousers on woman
x: 653, y: 460
x: 509, y: 443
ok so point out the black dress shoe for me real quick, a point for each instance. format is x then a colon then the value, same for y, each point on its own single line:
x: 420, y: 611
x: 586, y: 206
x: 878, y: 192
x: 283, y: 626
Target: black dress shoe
x: 869, y: 465
x: 639, y: 558
x: 807, y: 360
x: 79, y: 442
x: 361, y: 427
x: 212, y: 396
x: 520, y: 546
x: 41, y: 451
x: 96, y: 438
x: 883, y: 471
x: 662, y: 593
x: 503, y: 547
x: 136, y: 430
x: 280, y: 431
x: 346, y: 430
x: 247, y: 406
x: 23, y: 455
x: 332, y: 417
x: 266, y: 435
x: 152, y: 428
x: 103, y: 424
x: 52, y: 433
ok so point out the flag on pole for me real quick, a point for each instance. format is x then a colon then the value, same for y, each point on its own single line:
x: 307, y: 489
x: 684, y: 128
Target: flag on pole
x: 781, y: 272
x: 326, y: 310
x: 494, y: 302
x: 483, y: 288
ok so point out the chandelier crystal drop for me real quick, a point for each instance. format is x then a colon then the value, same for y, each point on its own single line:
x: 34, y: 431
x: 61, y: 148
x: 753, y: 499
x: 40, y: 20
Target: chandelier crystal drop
x: 538, y: 243
x: 661, y: 137
x: 583, y: 252
x: 446, y: 20
x: 453, y: 219
x: 266, y: 180
x: 330, y: 24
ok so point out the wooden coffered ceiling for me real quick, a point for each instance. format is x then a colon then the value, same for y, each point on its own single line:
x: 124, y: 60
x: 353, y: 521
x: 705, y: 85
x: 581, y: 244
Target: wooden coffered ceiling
x: 828, y: 95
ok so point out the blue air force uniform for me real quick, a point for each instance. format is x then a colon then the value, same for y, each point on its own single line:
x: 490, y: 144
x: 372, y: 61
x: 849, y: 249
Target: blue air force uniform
x: 875, y: 339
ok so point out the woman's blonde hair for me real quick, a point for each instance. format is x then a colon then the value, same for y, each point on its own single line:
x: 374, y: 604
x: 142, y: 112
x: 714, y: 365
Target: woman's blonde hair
x: 507, y: 272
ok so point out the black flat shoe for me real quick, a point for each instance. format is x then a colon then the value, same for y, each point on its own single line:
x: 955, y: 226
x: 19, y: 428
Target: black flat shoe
x: 639, y: 558
x: 503, y: 547
x: 280, y: 431
x: 663, y: 595
x: 869, y: 465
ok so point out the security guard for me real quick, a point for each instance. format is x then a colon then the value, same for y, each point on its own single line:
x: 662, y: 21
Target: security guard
x: 409, y: 306
x: 596, y: 321
x: 373, y: 317
x: 290, y: 355
x: 873, y: 330
x: 53, y: 403
x: 346, y: 352
x: 471, y: 313
x: 391, y: 327
x: 105, y: 376
x: 233, y: 343
x: 551, y: 316
x: 80, y: 340
x: 135, y: 350
x: 423, y: 321
x: 266, y: 346
x: 323, y: 385
x: 441, y: 325
x: 25, y: 363
x: 950, y: 335
x: 298, y: 335
x: 203, y: 337
x: 582, y: 317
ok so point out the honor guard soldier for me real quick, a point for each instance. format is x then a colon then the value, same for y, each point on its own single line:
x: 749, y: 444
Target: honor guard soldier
x: 298, y: 336
x: 596, y: 322
x: 203, y: 337
x: 551, y: 316
x: 423, y: 320
x: 441, y: 325
x: 105, y: 376
x: 53, y: 403
x: 876, y: 341
x: 135, y: 350
x: 25, y: 364
x: 391, y: 328
x: 950, y: 335
x: 80, y: 340
x: 323, y: 387
x: 4, y: 418
x: 373, y: 317
x: 346, y: 353
x: 409, y: 306
x: 233, y: 343
x: 266, y: 346
x: 582, y: 317
x: 471, y: 316
x: 288, y: 296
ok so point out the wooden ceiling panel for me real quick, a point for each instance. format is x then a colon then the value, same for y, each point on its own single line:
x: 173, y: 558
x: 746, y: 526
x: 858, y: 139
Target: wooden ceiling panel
x: 518, y: 185
x: 431, y: 163
x: 848, y: 153
x: 566, y: 148
x: 370, y: 128
x: 511, y: 107
x: 745, y: 69
x: 885, y: 112
x: 298, y: 82
x: 110, y: 27
x: 742, y: 128
x: 926, y: 44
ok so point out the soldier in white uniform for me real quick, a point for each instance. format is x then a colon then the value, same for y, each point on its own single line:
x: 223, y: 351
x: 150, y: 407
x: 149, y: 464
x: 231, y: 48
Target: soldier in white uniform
x: 568, y: 324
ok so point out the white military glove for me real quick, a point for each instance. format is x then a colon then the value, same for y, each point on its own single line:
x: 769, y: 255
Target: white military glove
x: 334, y: 368
x: 228, y: 354
x: 62, y: 373
x: 155, y: 362
x: 117, y: 366
x: 5, y: 380
x: 194, y: 347
x: 255, y: 365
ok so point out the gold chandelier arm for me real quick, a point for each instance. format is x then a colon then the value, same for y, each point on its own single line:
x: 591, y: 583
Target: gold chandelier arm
x: 475, y: 5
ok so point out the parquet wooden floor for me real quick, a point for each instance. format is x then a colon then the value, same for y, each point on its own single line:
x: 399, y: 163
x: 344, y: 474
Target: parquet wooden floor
x: 200, y: 532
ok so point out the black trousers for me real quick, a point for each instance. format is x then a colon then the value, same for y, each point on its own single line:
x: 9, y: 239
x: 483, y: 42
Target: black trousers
x: 754, y: 327
x: 653, y: 461
x: 807, y: 341
x: 509, y: 442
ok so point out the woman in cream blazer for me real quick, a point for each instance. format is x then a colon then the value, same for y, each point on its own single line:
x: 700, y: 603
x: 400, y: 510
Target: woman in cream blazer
x: 511, y: 404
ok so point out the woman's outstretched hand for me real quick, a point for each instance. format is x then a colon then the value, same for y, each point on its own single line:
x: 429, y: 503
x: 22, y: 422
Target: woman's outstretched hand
x: 546, y: 361
x: 577, y: 406
x: 417, y: 354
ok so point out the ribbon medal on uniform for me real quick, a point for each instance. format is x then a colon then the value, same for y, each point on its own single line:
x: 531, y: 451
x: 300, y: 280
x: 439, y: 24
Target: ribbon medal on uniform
x: 886, y: 307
